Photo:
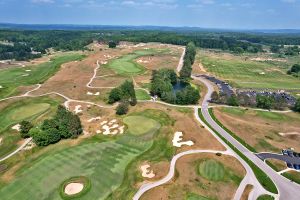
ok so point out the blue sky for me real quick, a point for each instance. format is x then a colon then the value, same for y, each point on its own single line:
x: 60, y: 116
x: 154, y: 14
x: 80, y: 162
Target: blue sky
x: 236, y: 14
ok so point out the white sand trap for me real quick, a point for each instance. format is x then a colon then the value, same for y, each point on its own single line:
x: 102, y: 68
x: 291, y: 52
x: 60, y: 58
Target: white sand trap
x: 89, y: 93
x: 28, y: 70
x: 92, y: 94
x: 73, y: 188
x: 296, y: 94
x: 289, y: 133
x: 1, y: 86
x: 1, y: 140
x: 143, y: 61
x: 102, y: 123
x: 78, y: 109
x: 94, y: 119
x: 16, y: 127
x: 103, y: 62
x: 262, y: 73
x: 25, y: 75
x: 121, y: 129
x: 146, y: 172
x: 98, y: 131
x: 178, y: 138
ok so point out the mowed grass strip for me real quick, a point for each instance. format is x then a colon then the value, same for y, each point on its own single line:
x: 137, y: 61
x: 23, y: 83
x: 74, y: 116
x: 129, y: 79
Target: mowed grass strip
x: 250, y: 74
x: 12, y: 78
x: 142, y: 94
x: 139, y: 125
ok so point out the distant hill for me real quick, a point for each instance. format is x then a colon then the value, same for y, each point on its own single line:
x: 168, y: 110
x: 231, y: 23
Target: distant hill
x: 122, y: 27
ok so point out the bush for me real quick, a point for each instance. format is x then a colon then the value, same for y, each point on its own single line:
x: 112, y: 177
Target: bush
x: 264, y: 102
x: 25, y: 128
x: 233, y: 101
x: 297, y: 106
x: 112, y: 44
x: 122, y: 108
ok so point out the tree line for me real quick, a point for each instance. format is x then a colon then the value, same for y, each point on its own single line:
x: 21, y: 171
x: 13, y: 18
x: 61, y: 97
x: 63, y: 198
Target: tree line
x: 189, y: 59
x: 63, y: 125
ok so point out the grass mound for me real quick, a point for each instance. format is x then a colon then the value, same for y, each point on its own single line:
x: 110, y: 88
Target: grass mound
x: 139, y: 125
x: 78, y: 179
x: 212, y: 170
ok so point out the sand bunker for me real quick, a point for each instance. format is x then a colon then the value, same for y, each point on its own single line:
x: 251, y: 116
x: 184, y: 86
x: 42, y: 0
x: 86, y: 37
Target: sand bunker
x: 1, y: 86
x: 262, y: 73
x: 296, y: 94
x: 93, y: 94
x: 16, y: 127
x: 94, y: 119
x: 178, y: 138
x: 78, y: 109
x: 111, y: 128
x: 25, y: 75
x: 103, y: 62
x: 73, y: 188
x: 289, y: 133
x: 28, y: 70
x: 146, y: 172
x: 143, y: 61
x: 1, y: 140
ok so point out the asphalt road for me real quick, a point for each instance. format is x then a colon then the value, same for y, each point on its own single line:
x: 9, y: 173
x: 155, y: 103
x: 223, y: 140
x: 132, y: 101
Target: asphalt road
x: 285, y: 158
x: 287, y: 190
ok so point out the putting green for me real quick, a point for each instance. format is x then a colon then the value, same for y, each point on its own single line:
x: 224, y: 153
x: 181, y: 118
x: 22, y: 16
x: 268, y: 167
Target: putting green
x: 139, y: 125
x: 126, y: 64
x: 211, y: 170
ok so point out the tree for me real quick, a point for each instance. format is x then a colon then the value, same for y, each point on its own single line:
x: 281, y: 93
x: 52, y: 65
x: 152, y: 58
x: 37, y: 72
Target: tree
x: 189, y: 59
x: 114, y: 95
x: 39, y: 137
x: 297, y: 105
x: 112, y: 44
x: 122, y: 108
x: 25, y: 128
x: 264, y: 102
x: 233, y: 100
x: 295, y: 69
x: 275, y: 49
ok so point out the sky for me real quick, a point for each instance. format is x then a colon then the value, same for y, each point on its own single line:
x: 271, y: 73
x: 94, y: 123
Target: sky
x: 228, y: 14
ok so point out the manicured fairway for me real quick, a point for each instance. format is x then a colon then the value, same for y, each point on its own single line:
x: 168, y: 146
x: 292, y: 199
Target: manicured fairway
x: 250, y: 74
x: 142, y: 95
x: 104, y: 164
x: 25, y: 109
x: 139, y: 125
x: 126, y: 64
x: 192, y: 196
x: 211, y: 170
x: 12, y: 78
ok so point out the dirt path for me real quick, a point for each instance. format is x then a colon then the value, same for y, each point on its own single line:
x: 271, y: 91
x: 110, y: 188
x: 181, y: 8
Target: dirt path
x: 181, y: 61
x: 17, y: 150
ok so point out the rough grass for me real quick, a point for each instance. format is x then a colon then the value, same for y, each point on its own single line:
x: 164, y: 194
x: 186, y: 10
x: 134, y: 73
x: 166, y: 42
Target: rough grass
x: 265, y: 197
x: 12, y: 78
x: 142, y: 95
x: 26, y: 109
x: 246, y: 74
x: 192, y: 196
x: 139, y: 125
x: 126, y: 65
x: 262, y: 177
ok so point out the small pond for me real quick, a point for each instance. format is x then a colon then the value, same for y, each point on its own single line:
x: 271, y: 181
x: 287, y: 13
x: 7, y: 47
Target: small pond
x: 179, y: 86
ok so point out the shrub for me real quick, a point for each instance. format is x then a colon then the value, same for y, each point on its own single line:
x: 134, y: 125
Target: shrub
x: 25, y: 128
x: 122, y: 108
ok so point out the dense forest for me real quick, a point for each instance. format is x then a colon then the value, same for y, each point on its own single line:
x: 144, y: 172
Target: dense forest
x: 28, y: 44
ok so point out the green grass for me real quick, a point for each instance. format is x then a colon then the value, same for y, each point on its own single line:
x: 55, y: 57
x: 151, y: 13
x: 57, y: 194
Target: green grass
x: 12, y: 78
x: 246, y: 74
x: 234, y: 111
x: 103, y: 163
x: 163, y: 118
x: 126, y: 64
x: 265, y: 197
x: 212, y: 170
x: 25, y: 109
x: 263, y: 178
x: 192, y: 196
x: 142, y: 95
x: 272, y: 115
x: 139, y: 125
x: 293, y: 176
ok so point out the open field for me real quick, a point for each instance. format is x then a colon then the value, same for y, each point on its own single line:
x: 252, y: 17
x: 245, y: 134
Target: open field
x: 190, y: 184
x: 12, y: 78
x: 293, y: 176
x: 243, y: 72
x: 33, y: 109
x: 264, y: 131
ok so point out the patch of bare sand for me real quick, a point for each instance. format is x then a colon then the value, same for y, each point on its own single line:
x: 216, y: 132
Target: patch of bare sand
x: 146, y: 172
x: 73, y: 188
